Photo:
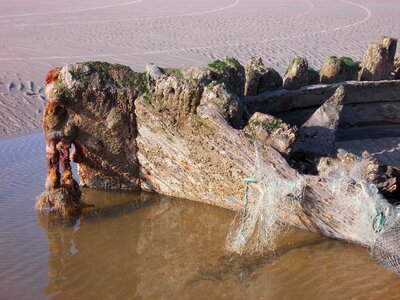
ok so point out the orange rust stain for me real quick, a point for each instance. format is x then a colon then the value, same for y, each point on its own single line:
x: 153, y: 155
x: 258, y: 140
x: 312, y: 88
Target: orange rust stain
x: 52, y: 75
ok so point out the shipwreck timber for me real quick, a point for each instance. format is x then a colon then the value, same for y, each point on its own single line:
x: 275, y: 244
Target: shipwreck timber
x: 190, y: 133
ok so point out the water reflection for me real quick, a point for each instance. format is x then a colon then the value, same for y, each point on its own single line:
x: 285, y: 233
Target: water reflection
x: 143, y: 246
x: 140, y: 246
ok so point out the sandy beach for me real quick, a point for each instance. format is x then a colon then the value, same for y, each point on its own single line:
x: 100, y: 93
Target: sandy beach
x: 39, y: 35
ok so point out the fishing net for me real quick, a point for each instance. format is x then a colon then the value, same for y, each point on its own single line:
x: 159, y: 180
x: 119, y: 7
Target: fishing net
x: 256, y: 227
x: 373, y: 220
x: 362, y: 202
x: 386, y: 249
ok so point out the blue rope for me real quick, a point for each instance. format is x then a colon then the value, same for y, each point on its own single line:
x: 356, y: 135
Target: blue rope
x: 379, y: 222
x: 246, y: 190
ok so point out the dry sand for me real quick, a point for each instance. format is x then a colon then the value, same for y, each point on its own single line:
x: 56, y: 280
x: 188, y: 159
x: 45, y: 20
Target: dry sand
x: 36, y: 35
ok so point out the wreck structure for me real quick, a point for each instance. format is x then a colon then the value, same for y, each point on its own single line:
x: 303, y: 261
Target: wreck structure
x: 192, y: 133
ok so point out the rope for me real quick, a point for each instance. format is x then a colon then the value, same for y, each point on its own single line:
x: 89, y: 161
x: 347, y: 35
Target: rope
x: 246, y: 200
x: 379, y: 221
x: 246, y: 190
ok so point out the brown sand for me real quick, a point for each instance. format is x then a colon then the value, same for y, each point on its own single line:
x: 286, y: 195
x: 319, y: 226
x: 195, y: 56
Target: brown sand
x: 36, y: 35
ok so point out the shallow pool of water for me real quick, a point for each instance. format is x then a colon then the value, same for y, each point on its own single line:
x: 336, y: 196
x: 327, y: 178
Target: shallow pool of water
x: 143, y: 246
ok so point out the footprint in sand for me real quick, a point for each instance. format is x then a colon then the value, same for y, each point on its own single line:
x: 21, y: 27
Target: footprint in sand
x: 21, y: 86
x: 10, y: 86
x: 31, y: 86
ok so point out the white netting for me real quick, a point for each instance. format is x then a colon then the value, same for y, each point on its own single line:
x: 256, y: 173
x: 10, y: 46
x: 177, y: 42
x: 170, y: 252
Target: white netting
x: 256, y: 228
x: 386, y: 249
x: 373, y: 220
x: 363, y: 202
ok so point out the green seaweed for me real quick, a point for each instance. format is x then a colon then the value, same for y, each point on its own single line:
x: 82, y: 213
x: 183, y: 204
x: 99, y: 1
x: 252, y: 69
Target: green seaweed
x: 272, y: 125
x: 146, y: 98
x: 313, y: 76
x: 344, y: 61
x: 297, y: 60
x: 112, y: 74
x: 350, y: 63
x: 61, y: 89
x: 257, y: 123
x: 234, y: 63
x: 219, y: 66
x: 223, y: 66
x: 177, y: 72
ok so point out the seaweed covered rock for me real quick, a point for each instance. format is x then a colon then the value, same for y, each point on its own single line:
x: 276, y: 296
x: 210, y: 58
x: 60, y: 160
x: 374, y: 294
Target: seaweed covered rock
x: 338, y: 70
x: 316, y: 137
x: 296, y: 75
x: 313, y: 76
x: 397, y: 68
x: 259, y: 78
x: 271, y: 131
x: 378, y: 63
x: 229, y: 71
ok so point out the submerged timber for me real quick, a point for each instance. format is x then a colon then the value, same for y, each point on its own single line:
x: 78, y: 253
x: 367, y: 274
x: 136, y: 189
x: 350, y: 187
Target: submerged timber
x: 193, y: 132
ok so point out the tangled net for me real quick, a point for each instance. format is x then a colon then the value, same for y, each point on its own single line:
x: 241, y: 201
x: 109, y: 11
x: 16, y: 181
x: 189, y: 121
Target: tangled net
x: 364, y: 202
x: 372, y: 219
x: 255, y: 229
x: 386, y: 249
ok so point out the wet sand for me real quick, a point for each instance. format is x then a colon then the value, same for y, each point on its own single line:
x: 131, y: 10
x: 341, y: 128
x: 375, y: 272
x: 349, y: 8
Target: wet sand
x: 37, y: 35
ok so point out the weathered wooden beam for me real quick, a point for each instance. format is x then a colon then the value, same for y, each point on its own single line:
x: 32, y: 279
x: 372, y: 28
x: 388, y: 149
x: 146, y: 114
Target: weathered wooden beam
x: 353, y: 115
x: 313, y: 96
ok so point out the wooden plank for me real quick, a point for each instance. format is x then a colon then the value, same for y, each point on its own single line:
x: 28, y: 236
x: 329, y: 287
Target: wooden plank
x: 312, y: 96
x: 353, y: 115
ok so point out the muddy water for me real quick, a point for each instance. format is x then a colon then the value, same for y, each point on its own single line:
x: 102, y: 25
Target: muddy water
x: 152, y: 247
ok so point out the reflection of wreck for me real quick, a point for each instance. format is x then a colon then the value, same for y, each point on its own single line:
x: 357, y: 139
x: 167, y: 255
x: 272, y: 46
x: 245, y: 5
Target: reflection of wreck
x: 190, y: 133
x: 135, y: 249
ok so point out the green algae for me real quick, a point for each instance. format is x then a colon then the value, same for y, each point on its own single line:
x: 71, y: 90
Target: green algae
x: 223, y: 66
